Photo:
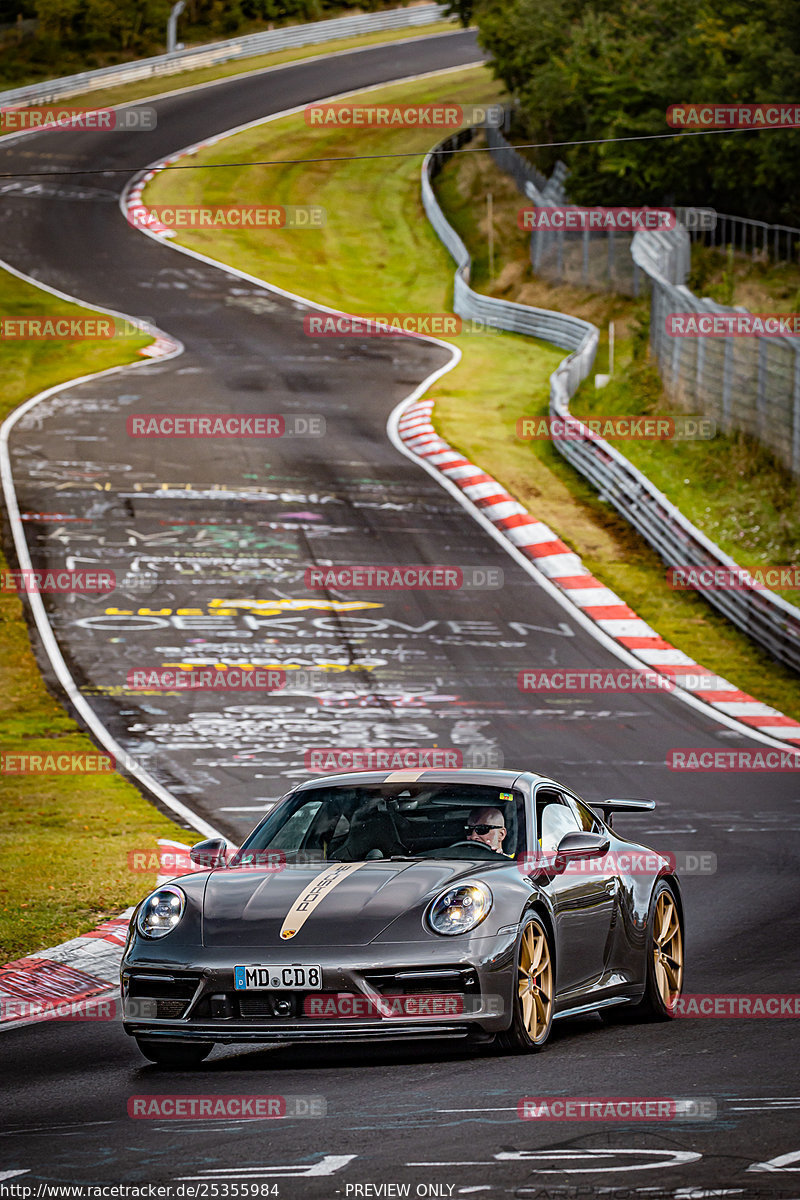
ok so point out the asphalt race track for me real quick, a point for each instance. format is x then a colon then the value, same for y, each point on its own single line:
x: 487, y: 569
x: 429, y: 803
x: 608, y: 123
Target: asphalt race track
x: 226, y: 529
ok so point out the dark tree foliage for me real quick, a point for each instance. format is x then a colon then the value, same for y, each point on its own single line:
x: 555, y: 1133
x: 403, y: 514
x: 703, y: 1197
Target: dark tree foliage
x: 611, y: 69
x: 463, y: 10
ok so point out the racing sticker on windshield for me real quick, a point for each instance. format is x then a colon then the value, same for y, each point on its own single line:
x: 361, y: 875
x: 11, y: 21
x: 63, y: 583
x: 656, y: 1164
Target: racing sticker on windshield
x: 507, y: 796
x: 314, y: 894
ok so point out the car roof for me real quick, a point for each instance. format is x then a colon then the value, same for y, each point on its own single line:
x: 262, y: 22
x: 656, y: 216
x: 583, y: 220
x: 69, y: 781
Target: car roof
x: 488, y: 778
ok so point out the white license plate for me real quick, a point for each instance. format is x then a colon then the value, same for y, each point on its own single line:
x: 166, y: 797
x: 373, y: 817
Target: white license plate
x: 297, y: 977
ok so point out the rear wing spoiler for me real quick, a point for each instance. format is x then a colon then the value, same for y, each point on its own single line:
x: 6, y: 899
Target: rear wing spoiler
x: 607, y: 808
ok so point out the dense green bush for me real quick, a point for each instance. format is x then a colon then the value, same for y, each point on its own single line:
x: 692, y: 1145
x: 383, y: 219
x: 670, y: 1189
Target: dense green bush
x: 611, y: 68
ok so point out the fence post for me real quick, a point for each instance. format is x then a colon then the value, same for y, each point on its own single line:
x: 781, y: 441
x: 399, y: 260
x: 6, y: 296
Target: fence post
x: 675, y: 365
x: 727, y: 371
x: 700, y: 364
x: 610, y: 258
x: 761, y: 388
x: 796, y: 413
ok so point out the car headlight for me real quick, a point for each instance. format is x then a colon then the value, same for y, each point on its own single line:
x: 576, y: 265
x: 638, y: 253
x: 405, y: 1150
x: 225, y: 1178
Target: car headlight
x: 161, y: 912
x: 460, y: 908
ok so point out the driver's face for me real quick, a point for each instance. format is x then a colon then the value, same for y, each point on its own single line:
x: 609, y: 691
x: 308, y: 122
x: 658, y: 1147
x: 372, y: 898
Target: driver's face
x: 492, y: 837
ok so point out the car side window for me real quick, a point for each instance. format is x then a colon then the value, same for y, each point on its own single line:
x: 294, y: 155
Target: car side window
x: 554, y: 818
x: 287, y: 837
x: 587, y: 820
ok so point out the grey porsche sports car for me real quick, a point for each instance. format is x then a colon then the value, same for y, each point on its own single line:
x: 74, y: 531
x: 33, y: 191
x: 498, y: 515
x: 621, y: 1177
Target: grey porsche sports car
x: 377, y: 905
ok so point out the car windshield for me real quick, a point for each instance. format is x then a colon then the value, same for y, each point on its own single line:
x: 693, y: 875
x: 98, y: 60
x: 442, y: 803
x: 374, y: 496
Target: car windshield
x: 354, y: 823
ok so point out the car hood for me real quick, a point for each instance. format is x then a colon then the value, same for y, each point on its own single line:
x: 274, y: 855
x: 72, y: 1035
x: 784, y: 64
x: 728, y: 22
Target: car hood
x: 345, y: 904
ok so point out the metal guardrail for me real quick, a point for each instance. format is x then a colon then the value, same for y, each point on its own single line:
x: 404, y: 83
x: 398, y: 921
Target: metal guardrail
x: 776, y: 243
x: 747, y: 384
x: 572, y: 333
x: 215, y: 53
x: 768, y: 619
x: 750, y: 384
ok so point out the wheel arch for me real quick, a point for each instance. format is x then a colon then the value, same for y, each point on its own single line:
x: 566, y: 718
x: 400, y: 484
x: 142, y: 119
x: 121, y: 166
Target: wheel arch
x: 675, y: 887
x: 537, y: 906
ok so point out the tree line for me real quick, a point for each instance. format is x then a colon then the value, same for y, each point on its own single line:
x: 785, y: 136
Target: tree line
x: 611, y: 68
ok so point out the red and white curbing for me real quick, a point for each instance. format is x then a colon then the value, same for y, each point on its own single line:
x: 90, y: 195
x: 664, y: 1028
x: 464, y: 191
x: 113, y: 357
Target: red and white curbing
x: 565, y: 569
x: 79, y: 979
x: 135, y: 203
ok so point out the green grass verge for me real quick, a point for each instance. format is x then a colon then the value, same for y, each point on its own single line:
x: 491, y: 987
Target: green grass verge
x: 749, y: 280
x: 64, y: 840
x: 155, y: 86
x: 378, y: 254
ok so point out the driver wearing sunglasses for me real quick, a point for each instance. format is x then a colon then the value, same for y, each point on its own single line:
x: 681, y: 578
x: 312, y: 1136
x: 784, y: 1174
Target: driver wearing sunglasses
x: 487, y: 825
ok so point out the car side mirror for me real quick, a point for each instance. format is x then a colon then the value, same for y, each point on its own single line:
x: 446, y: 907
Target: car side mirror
x: 211, y: 853
x: 576, y: 845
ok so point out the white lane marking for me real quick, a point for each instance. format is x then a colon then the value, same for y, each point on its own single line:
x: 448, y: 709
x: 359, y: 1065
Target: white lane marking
x: 693, y: 1193
x: 667, y: 1158
x: 13, y: 1174
x: 49, y: 642
x: 328, y: 1165
x: 506, y: 1108
x: 787, y: 1106
x: 51, y: 1128
x: 781, y: 1163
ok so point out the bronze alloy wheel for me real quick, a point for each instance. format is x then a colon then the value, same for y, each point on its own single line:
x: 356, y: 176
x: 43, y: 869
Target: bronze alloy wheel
x: 535, y: 982
x: 533, y: 991
x: 667, y: 949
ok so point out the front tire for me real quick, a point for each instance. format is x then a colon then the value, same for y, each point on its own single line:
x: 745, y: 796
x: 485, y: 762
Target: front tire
x: 175, y: 1054
x: 534, y: 991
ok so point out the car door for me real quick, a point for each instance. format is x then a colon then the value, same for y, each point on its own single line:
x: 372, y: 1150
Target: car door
x: 584, y: 896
